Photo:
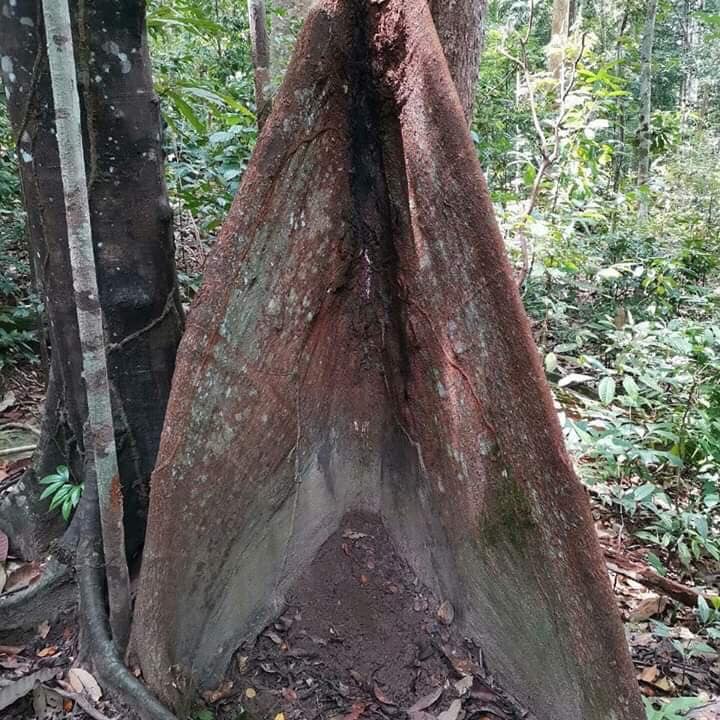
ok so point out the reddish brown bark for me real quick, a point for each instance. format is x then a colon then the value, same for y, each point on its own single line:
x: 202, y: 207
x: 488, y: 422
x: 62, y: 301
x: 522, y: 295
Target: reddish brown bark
x: 359, y: 344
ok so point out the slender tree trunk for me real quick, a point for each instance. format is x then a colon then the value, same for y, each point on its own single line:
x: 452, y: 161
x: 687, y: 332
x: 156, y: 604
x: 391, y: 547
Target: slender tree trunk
x: 689, y: 90
x: 559, y: 36
x: 261, y: 59
x: 132, y: 233
x: 643, y: 131
x: 460, y: 27
x: 99, y: 438
x: 359, y: 343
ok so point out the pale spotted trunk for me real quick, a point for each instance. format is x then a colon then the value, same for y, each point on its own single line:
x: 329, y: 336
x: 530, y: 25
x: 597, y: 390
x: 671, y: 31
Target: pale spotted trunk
x: 100, y: 434
x: 261, y: 59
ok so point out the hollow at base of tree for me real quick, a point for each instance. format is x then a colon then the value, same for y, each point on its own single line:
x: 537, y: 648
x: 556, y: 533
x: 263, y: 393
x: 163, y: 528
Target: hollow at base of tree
x: 360, y: 633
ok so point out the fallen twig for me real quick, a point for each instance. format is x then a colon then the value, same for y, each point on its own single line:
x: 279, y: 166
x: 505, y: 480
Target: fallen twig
x: 16, y: 450
x: 621, y: 565
x: 83, y: 702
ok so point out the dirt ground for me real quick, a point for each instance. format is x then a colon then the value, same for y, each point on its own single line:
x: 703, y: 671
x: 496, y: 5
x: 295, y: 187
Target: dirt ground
x: 361, y: 638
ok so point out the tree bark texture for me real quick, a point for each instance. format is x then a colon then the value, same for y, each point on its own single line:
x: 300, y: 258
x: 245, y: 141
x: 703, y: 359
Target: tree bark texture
x: 359, y: 343
x: 131, y: 225
x: 99, y: 434
x: 460, y: 26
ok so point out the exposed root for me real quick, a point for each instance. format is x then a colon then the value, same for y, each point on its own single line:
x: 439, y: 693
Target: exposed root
x: 45, y: 599
x: 108, y: 664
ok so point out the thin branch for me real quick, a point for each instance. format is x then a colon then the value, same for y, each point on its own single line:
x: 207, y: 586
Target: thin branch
x: 17, y: 450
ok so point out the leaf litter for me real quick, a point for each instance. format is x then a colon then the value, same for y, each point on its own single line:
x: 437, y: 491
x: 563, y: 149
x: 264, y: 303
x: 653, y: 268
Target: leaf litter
x: 360, y: 637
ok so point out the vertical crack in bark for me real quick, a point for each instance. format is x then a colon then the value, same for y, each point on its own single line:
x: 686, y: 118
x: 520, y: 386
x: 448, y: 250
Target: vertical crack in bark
x: 376, y: 266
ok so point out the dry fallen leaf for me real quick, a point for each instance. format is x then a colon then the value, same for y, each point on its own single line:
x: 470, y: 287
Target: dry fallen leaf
x: 381, y: 696
x: 280, y: 716
x: 83, y: 683
x: 452, y: 712
x: 11, y: 649
x: 43, y: 630
x: 650, y: 607
x: 12, y: 691
x: 664, y: 684
x: 220, y: 693
x: 355, y: 712
x: 46, y: 702
x: 649, y: 674
x: 7, y: 401
x: 23, y: 576
x: 464, y: 684
x: 427, y: 700
x: 4, y: 546
x: 446, y: 613
x: 47, y: 651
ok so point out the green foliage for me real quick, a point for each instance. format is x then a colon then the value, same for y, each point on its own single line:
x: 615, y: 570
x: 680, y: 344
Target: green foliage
x: 203, y: 74
x: 625, y: 307
x: 62, y: 492
x: 18, y: 306
x: 674, y: 709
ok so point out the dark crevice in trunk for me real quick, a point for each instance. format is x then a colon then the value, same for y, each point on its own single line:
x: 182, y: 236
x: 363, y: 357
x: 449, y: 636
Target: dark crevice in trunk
x: 377, y: 283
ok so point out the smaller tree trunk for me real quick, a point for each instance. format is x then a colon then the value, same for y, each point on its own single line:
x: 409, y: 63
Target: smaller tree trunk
x: 643, y: 132
x: 559, y: 37
x: 260, y: 58
x: 100, y: 432
x: 459, y: 25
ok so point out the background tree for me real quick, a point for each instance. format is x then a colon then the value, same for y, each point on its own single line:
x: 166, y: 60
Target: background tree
x: 261, y: 58
x: 132, y: 232
x: 644, y: 127
x: 460, y: 27
x: 559, y: 33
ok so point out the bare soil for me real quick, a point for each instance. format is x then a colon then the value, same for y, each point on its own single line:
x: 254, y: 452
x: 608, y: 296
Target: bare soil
x: 362, y: 638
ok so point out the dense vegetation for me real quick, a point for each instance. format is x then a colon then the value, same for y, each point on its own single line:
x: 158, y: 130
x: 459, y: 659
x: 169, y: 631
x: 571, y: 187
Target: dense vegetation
x: 620, y: 278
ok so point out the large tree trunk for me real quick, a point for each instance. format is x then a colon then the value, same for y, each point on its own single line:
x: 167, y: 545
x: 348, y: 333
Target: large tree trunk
x: 359, y: 344
x: 461, y: 27
x: 131, y: 223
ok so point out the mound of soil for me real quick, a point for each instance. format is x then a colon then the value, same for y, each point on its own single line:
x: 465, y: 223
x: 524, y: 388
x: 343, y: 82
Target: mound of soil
x: 361, y: 638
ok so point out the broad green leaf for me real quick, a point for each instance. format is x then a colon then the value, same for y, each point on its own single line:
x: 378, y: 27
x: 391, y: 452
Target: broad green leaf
x: 606, y: 390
